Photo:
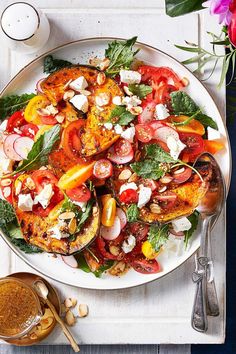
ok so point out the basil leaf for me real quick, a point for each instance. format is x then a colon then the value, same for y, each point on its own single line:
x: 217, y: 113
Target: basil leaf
x: 180, y: 7
x: 38, y: 155
x: 155, y: 152
x: 7, y: 212
x: 124, y: 116
x: 158, y: 235
x: 140, y: 90
x: 121, y: 55
x: 193, y: 218
x: 51, y: 64
x: 132, y: 213
x: 13, y: 103
x: 148, y: 169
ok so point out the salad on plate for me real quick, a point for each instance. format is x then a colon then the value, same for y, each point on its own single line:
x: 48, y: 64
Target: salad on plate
x: 97, y: 165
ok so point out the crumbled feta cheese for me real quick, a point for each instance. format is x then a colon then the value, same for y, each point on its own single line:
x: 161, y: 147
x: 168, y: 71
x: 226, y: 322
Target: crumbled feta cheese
x: 25, y: 202
x: 118, y: 129
x: 31, y: 131
x: 130, y: 185
x: 79, y: 84
x: 129, y: 244
x: 80, y: 102
x: 181, y: 224
x: 3, y: 125
x: 129, y: 134
x: 6, y: 165
x: 59, y: 230
x: 117, y: 100
x: 132, y: 101
x: 144, y: 195
x: 175, y: 146
x: 82, y: 205
x: 108, y: 126
x: 44, y: 196
x: 161, y: 112
x: 51, y: 109
x: 130, y: 76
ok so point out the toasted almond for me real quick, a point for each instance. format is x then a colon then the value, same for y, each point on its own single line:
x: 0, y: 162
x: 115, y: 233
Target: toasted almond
x: 133, y: 177
x: 67, y: 215
x: 60, y: 117
x: 83, y: 310
x: 64, y: 309
x: 185, y: 81
x: 70, y: 318
x: 125, y: 174
x: 166, y: 179
x: 137, y: 155
x: 95, y: 61
x: 163, y: 189
x: 118, y: 269
x: 104, y: 64
x: 29, y: 183
x: 85, y: 92
x: 68, y: 95
x: 67, y: 84
x: 135, y: 110
x: 102, y: 99
x: 72, y: 226
x: 18, y: 185
x: 127, y: 91
x: 43, y: 112
x: 33, y: 336
x: 101, y: 78
x: 155, y: 208
x: 74, y: 302
x: 68, y: 302
x: 46, y: 323
x: 114, y: 250
x: 180, y: 170
x: 5, y: 182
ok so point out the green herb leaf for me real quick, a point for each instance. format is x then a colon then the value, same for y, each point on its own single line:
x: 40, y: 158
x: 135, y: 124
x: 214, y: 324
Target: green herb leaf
x: 148, y: 169
x: 85, y: 214
x: 51, y: 64
x: 140, y: 90
x: 107, y: 265
x: 121, y: 55
x: 38, y: 155
x: 124, y: 116
x: 25, y: 247
x: 82, y: 264
x: 181, y: 7
x: 158, y: 235
x: 193, y: 218
x: 132, y: 213
x: 11, y: 104
x: 155, y: 152
x: 206, y: 121
x: 7, y: 213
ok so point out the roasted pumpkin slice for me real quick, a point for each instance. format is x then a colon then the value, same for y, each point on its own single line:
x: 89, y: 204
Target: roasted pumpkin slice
x: 96, y: 138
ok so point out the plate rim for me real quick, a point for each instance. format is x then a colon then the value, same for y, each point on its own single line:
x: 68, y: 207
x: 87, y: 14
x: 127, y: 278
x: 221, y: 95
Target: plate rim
x: 107, y: 38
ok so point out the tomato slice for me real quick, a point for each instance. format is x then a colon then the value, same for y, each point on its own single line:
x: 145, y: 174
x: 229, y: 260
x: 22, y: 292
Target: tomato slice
x: 194, y: 144
x: 129, y: 196
x: 166, y: 200
x: 144, y: 132
x: 161, y: 92
x: 42, y: 177
x: 139, y: 230
x: 29, y: 130
x: 49, y: 120
x: 145, y: 266
x: 122, y: 148
x: 71, y: 142
x: 101, y: 245
x: 182, y: 176
x: 102, y: 169
x: 79, y: 194
x: 16, y: 120
x: 158, y: 74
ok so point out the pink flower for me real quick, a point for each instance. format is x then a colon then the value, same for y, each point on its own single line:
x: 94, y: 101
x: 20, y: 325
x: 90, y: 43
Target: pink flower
x: 221, y: 8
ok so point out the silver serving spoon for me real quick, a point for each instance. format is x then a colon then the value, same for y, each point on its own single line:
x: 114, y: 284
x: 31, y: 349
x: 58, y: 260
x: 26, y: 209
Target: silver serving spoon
x: 210, y: 208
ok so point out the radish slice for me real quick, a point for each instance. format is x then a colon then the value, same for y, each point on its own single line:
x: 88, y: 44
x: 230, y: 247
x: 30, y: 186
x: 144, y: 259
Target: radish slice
x: 112, y: 232
x: 119, y: 160
x: 163, y: 134
x: 70, y: 261
x: 38, y: 85
x: 155, y: 124
x: 23, y: 145
x: 122, y: 216
x: 148, y: 112
x: 8, y: 147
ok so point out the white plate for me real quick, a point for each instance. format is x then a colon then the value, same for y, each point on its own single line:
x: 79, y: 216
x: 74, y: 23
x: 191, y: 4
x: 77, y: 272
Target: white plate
x: 80, y: 52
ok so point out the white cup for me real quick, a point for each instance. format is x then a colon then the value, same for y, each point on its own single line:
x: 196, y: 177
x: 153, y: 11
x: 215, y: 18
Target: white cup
x: 24, y: 28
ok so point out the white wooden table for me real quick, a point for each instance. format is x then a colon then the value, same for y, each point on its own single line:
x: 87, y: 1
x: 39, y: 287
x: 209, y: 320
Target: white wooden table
x: 158, y: 313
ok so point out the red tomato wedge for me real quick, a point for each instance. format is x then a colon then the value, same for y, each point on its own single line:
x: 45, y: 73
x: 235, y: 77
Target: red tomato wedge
x: 184, y: 174
x: 48, y: 120
x: 139, y: 230
x: 79, y: 194
x: 101, y: 245
x: 194, y: 144
x: 129, y: 196
x: 144, y: 132
x: 71, y: 142
x: 145, y: 266
x: 29, y: 130
x: 102, y: 169
x: 157, y: 74
x: 15, y: 121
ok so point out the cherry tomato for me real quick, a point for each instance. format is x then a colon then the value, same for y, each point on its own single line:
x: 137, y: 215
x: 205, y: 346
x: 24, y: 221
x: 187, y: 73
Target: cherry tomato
x: 148, y: 182
x: 102, y: 169
x: 7, y: 192
x: 71, y: 142
x: 146, y: 266
x: 79, y: 194
x: 182, y: 176
x: 101, y: 245
x: 109, y: 212
x: 144, y: 132
x: 48, y: 120
x: 139, y: 230
x: 129, y: 196
x: 29, y: 130
x: 15, y: 121
x: 122, y: 148
x: 42, y: 177
x: 166, y: 199
x: 158, y: 74
x: 194, y: 144
x: 76, y: 176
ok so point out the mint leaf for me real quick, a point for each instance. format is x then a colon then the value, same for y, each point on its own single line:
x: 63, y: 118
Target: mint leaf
x: 132, y: 213
x: 148, y: 169
x: 193, y: 218
x: 38, y: 155
x: 155, y: 152
x: 140, y: 90
x: 50, y: 64
x: 124, y: 116
x: 158, y: 235
x: 121, y: 55
x: 181, y: 7
x: 13, y: 103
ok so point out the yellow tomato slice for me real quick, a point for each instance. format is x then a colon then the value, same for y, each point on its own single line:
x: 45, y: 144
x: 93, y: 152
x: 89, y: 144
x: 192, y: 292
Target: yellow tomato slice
x: 194, y: 126
x: 76, y: 176
x: 213, y: 146
x: 109, y: 212
x: 31, y: 115
x: 42, y: 130
x: 148, y: 251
